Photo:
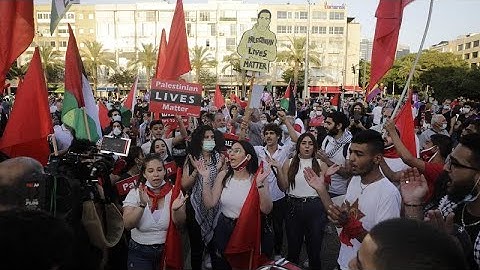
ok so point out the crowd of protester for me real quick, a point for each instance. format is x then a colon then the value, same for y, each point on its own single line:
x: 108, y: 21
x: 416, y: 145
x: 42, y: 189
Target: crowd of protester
x: 324, y: 175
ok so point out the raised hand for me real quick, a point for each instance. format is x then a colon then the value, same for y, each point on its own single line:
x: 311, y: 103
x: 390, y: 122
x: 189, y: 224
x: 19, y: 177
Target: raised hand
x: 273, y: 162
x: 332, y: 170
x: 144, y: 199
x: 389, y: 126
x: 221, y: 163
x: 413, y: 186
x: 322, y: 155
x: 338, y: 215
x: 262, y: 175
x: 315, y: 181
x: 201, y: 168
x: 435, y: 218
x: 179, y: 202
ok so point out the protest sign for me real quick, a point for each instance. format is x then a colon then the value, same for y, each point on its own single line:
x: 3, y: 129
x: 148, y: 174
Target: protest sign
x: 124, y: 186
x: 258, y: 46
x: 172, y: 97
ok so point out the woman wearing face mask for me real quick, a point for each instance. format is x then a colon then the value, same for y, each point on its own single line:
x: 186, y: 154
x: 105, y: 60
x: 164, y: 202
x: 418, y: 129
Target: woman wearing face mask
x: 147, y: 213
x: 200, y: 220
x: 159, y: 146
x: 432, y: 157
x: 231, y: 189
x: 117, y: 130
x: 306, y: 214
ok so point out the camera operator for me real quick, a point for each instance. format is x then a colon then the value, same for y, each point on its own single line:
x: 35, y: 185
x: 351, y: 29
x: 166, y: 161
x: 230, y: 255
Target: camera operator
x: 359, y: 120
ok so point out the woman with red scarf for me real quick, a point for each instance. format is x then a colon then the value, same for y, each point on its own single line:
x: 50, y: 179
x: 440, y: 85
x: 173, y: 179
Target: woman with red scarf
x: 147, y: 213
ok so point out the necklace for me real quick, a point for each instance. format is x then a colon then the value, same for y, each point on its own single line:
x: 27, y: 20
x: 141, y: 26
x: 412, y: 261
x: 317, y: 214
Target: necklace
x: 463, y: 222
x: 363, y: 188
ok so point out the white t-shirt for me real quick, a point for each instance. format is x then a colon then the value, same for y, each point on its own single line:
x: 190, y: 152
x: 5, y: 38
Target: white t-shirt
x: 396, y: 164
x: 377, y: 114
x: 63, y: 137
x: 380, y: 201
x: 152, y: 227
x: 233, y: 197
x: 302, y: 189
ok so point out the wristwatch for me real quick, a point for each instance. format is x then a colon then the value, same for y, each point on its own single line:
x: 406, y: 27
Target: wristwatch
x: 142, y: 205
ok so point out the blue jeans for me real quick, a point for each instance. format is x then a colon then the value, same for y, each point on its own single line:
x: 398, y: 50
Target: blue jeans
x: 306, y: 219
x: 144, y: 257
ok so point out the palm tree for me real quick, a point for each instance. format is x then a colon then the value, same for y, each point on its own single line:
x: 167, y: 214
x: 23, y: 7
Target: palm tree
x: 50, y: 58
x: 294, y: 55
x: 201, y: 58
x: 233, y: 62
x: 94, y: 56
x: 146, y: 58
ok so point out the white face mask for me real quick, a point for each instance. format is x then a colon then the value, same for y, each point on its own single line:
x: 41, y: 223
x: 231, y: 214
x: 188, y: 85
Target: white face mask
x: 117, y: 118
x: 208, y: 145
x: 264, y: 122
x: 222, y: 129
x: 117, y: 131
x: 444, y: 126
x: 318, y: 113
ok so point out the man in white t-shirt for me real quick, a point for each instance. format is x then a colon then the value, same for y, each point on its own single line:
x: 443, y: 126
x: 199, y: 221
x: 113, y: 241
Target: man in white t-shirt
x: 377, y: 112
x: 157, y: 131
x: 370, y: 198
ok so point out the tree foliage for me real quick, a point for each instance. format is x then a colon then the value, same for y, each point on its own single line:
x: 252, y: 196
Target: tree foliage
x: 146, y: 58
x: 293, y: 54
x: 452, y: 82
x: 200, y: 59
x: 94, y: 57
x: 207, y: 79
x: 288, y: 75
x: 363, y: 73
x: 52, y: 64
x: 122, y: 78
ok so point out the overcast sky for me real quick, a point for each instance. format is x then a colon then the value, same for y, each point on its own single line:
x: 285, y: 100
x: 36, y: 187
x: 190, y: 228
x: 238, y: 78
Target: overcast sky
x: 450, y: 18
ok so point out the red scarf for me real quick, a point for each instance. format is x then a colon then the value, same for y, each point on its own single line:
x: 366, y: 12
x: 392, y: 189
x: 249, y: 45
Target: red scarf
x: 390, y: 152
x: 164, y: 190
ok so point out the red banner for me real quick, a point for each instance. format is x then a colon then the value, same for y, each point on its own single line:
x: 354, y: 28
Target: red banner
x: 173, y: 97
x: 124, y: 186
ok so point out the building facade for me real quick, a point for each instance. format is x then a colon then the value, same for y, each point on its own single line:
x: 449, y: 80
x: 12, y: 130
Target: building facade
x: 217, y: 25
x: 467, y: 47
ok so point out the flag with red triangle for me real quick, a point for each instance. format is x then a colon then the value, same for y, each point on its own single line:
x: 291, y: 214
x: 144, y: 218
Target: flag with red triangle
x: 30, y: 122
x: 103, y: 115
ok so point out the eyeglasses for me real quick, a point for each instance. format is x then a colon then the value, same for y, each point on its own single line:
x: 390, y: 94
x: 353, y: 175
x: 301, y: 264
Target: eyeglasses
x: 451, y: 161
x: 234, y: 150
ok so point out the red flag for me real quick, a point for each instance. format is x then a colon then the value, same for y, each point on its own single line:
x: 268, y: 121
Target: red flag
x: 132, y: 97
x: 103, y: 115
x: 389, y: 19
x: 406, y: 126
x: 173, y: 255
x: 237, y: 100
x: 178, y: 59
x: 16, y: 30
x: 219, y: 100
x: 243, y: 248
x: 162, y: 55
x: 30, y: 122
x: 335, y: 99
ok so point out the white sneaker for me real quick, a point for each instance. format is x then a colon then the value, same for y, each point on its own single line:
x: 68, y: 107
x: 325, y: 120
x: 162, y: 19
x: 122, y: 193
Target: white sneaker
x: 207, y: 262
x: 306, y: 264
x: 277, y: 257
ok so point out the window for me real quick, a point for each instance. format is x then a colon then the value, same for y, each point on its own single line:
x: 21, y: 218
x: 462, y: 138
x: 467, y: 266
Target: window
x: 231, y: 44
x: 207, y: 43
x: 281, y: 14
x: 302, y: 15
x: 474, y: 54
x: 82, y: 44
x: 281, y: 29
x: 204, y: 16
x: 300, y: 29
x: 468, y: 45
x: 62, y: 30
x: 335, y: 30
x: 319, y: 15
x: 476, y: 43
x: 81, y: 31
x: 213, y: 29
x: 63, y: 44
x: 335, y: 15
x: 80, y: 16
x: 91, y: 31
x: 466, y: 56
x: 69, y: 16
x: 43, y: 16
x: 319, y: 30
x: 189, y: 30
x: 289, y: 15
x: 90, y: 16
x: 233, y: 29
x: 460, y: 47
x: 53, y: 44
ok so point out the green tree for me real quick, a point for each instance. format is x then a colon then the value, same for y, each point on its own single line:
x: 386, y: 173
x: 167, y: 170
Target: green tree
x: 94, y: 57
x: 122, y: 77
x: 201, y: 58
x: 146, y: 58
x: 51, y: 63
x: 232, y: 61
x: 364, y: 73
x: 294, y: 55
x: 207, y: 79
x: 452, y: 82
x: 288, y: 75
x: 16, y: 72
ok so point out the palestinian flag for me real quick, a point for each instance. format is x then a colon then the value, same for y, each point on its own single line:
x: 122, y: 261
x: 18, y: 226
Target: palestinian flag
x: 79, y: 108
x: 128, y: 105
x: 288, y: 100
x: 59, y: 8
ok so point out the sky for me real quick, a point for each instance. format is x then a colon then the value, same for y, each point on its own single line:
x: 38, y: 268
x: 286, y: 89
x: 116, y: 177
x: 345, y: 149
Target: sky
x: 450, y: 18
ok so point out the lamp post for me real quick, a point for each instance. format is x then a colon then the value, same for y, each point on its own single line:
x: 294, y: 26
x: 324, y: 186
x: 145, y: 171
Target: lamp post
x: 306, y: 92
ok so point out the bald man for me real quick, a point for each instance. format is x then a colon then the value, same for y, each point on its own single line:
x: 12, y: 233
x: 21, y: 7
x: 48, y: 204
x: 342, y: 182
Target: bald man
x: 13, y: 175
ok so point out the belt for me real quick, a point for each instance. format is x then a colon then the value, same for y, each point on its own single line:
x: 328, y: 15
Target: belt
x: 303, y: 199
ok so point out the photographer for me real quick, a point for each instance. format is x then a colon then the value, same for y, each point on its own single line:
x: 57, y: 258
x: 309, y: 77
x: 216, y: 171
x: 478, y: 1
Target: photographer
x: 359, y: 120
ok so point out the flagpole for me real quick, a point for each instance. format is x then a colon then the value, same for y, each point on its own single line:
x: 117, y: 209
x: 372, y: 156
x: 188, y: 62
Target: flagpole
x: 412, y: 70
x: 86, y: 124
x: 248, y: 111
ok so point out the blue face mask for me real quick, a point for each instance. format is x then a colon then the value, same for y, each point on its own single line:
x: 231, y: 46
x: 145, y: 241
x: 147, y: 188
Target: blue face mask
x: 208, y: 145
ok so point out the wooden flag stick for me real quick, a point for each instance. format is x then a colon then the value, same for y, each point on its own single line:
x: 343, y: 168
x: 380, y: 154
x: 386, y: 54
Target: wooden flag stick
x: 87, y: 127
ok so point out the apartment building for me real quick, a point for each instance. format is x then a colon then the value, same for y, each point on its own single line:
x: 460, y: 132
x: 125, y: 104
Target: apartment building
x: 466, y: 46
x: 218, y: 25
